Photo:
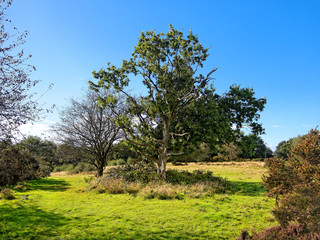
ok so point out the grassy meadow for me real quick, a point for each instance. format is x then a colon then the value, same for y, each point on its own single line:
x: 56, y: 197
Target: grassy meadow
x: 61, y: 207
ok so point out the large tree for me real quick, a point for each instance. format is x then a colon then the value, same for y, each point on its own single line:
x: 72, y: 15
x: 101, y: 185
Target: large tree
x: 16, y: 104
x: 90, y: 129
x: 168, y: 65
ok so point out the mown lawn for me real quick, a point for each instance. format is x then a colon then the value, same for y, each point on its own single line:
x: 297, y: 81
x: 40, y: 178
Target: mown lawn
x: 60, y: 207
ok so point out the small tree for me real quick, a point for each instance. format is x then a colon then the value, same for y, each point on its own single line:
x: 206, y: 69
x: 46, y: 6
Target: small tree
x: 90, y: 129
x: 295, y: 182
x: 168, y: 65
x: 17, y: 165
x: 16, y: 104
x: 43, y: 150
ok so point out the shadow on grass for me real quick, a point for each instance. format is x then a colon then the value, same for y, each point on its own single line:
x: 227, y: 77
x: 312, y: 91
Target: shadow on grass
x: 48, y: 184
x: 247, y: 188
x: 27, y: 222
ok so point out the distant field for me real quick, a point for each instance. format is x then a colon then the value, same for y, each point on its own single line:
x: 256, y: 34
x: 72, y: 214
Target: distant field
x: 60, y: 207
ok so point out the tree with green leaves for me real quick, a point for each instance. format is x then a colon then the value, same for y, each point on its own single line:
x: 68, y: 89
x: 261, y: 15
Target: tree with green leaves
x: 284, y: 147
x: 168, y: 65
x: 253, y: 146
x: 43, y: 150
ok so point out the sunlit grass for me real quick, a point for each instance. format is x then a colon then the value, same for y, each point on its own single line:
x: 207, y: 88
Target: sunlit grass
x: 60, y: 207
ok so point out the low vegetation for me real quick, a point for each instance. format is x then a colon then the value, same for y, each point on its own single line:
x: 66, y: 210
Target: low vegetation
x: 64, y: 207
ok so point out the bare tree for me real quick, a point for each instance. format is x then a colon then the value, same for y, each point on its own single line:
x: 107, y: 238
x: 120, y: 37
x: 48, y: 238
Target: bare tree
x: 89, y: 128
x: 16, y: 104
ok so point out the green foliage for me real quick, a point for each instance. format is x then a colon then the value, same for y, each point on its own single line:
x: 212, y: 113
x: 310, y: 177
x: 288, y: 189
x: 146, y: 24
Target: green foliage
x: 252, y: 146
x: 198, y: 176
x: 82, y: 167
x: 143, y: 173
x: 295, y: 182
x: 64, y: 167
x: 43, y: 150
x: 18, y: 165
x: 217, y: 120
x: 117, y: 162
x: 284, y: 148
x: 180, y: 110
x: 123, y: 150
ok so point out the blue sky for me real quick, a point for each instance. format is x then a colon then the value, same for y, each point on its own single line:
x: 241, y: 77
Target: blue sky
x: 269, y: 45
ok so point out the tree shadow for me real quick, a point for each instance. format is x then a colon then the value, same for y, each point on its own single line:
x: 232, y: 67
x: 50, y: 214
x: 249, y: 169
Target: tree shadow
x: 247, y: 188
x: 28, y: 222
x: 48, y: 184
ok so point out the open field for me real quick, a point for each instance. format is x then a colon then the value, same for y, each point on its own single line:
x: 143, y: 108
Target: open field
x: 59, y: 207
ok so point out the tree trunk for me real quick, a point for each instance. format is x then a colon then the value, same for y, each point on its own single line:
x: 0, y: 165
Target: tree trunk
x: 162, y: 165
x: 100, y: 169
x: 163, y: 156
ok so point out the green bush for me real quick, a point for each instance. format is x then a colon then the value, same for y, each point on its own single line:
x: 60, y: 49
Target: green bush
x: 82, y: 167
x: 142, y: 173
x: 117, y: 162
x: 186, y: 177
x: 64, y: 167
x: 18, y: 165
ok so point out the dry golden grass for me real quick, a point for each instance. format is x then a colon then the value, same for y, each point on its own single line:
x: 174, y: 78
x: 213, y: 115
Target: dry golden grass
x: 248, y: 171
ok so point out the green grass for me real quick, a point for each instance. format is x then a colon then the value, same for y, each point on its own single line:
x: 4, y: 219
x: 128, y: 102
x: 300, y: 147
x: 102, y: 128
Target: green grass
x: 60, y: 208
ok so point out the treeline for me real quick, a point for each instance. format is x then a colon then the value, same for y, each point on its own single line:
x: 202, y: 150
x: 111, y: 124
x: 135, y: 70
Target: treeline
x: 34, y: 157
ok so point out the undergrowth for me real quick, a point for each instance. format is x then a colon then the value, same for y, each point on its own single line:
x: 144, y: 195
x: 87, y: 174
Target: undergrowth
x: 143, y: 180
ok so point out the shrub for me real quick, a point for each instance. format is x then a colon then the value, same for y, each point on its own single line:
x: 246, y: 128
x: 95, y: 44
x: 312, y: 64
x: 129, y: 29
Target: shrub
x: 64, y: 167
x: 21, y: 187
x: 7, y: 194
x: 144, y: 179
x: 82, y: 167
x: 291, y: 232
x: 117, y: 162
x: 198, y: 176
x: 143, y: 173
x: 295, y: 183
x: 17, y: 165
x: 115, y: 186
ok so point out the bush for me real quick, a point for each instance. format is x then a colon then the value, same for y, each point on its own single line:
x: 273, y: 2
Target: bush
x: 117, y: 162
x: 7, y: 194
x: 143, y: 178
x: 143, y: 173
x: 197, y: 176
x: 291, y: 232
x: 82, y: 167
x: 115, y: 186
x: 295, y: 183
x: 64, y: 167
x: 18, y: 165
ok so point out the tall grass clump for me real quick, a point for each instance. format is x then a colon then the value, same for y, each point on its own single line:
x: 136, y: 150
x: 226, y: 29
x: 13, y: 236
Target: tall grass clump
x: 143, y: 179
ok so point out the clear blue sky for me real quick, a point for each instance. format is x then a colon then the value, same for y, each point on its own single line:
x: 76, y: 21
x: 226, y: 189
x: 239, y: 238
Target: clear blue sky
x: 272, y: 46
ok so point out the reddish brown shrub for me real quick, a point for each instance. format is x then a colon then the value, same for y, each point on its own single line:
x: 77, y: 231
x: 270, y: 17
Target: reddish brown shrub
x: 291, y: 232
x: 295, y: 183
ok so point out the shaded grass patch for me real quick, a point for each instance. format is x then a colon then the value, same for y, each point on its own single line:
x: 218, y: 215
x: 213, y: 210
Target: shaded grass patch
x: 28, y: 222
x: 48, y: 184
